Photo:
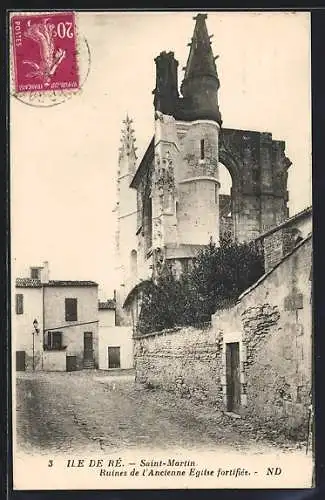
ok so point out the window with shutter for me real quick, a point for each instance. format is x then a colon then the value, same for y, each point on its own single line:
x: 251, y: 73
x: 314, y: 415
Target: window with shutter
x: 19, y: 303
x: 54, y: 340
x: 35, y: 273
x: 71, y: 309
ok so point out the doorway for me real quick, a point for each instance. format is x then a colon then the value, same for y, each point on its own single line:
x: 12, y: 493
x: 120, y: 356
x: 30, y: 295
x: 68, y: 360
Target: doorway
x: 233, y: 376
x: 88, y: 346
x: 20, y: 361
x: 114, y: 359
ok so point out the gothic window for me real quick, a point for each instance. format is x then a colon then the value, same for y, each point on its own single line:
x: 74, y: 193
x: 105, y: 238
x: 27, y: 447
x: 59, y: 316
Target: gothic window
x: 147, y: 222
x: 134, y: 263
x: 225, y: 196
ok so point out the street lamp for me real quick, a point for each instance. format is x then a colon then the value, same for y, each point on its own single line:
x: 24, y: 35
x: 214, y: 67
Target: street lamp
x: 36, y: 330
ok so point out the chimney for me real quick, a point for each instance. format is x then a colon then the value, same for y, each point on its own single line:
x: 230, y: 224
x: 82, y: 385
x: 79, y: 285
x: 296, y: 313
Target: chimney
x: 45, y: 272
x: 166, y: 91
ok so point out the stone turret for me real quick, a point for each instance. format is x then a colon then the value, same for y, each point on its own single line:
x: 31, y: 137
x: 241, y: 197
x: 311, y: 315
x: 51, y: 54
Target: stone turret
x: 126, y: 214
x: 127, y: 150
x: 201, y: 83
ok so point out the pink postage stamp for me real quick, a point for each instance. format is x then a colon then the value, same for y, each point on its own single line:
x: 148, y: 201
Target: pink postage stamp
x: 45, y: 52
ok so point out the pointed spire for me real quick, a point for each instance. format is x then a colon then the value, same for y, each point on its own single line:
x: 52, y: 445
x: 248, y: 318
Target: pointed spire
x: 201, y: 61
x: 201, y: 83
x: 127, y: 147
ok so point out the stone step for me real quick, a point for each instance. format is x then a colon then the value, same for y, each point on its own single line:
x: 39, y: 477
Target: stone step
x: 89, y: 365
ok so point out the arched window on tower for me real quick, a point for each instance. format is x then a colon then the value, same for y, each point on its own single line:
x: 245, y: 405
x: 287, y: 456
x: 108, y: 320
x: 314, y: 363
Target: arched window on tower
x: 225, y: 202
x: 147, y: 222
x: 134, y: 264
x: 202, y: 149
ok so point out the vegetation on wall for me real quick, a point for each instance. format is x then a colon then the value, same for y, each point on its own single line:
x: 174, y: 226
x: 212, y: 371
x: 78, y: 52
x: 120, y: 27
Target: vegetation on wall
x: 217, y: 277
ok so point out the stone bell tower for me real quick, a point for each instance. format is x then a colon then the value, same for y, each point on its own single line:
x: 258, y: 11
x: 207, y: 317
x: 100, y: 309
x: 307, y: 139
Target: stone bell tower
x: 184, y: 181
x: 168, y: 207
x: 199, y: 122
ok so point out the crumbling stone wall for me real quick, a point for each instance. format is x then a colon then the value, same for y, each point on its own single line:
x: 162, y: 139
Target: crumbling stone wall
x: 257, y: 321
x: 259, y: 169
x: 186, y: 361
x: 273, y: 321
x: 272, y: 324
x: 280, y: 241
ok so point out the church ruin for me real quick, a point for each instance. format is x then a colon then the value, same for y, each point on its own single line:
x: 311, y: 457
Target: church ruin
x: 169, y: 204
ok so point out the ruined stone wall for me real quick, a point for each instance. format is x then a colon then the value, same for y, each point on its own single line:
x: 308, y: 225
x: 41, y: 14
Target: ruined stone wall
x: 282, y: 241
x: 258, y: 167
x: 272, y: 324
x: 186, y: 361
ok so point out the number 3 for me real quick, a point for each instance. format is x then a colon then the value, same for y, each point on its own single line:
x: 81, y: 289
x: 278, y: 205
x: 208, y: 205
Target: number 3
x: 50, y: 464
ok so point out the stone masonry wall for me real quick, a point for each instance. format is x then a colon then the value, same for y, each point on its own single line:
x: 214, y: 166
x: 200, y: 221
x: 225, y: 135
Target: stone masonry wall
x: 258, y: 167
x: 186, y: 361
x: 283, y: 240
x: 272, y: 324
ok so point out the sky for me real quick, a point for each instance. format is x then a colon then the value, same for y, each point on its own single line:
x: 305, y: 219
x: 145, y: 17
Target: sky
x: 64, y: 158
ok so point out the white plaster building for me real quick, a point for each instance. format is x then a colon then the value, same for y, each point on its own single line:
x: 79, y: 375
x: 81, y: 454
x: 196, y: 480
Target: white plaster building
x: 54, y: 323
x: 115, y: 342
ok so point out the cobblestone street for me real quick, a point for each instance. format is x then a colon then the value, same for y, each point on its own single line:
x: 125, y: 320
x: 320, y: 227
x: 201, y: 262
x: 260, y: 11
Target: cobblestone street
x: 94, y: 410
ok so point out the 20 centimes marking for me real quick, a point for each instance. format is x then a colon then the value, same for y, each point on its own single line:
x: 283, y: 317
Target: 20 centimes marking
x: 50, y: 60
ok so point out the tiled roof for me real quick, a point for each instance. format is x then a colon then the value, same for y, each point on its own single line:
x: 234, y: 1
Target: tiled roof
x: 27, y: 283
x: 71, y: 283
x: 109, y: 304
x: 33, y: 283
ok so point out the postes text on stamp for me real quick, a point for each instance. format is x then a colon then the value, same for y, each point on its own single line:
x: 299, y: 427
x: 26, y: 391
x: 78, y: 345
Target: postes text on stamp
x: 44, y: 52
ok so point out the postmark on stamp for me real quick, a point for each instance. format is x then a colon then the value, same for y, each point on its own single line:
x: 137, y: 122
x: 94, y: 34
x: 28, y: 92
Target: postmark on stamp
x: 44, y: 52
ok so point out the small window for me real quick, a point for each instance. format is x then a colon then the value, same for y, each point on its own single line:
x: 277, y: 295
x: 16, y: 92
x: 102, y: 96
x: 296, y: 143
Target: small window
x: 19, y: 303
x: 202, y: 149
x: 54, y: 340
x: 176, y: 209
x: 216, y: 193
x: 134, y: 263
x: 71, y: 310
x: 35, y: 273
x: 256, y: 175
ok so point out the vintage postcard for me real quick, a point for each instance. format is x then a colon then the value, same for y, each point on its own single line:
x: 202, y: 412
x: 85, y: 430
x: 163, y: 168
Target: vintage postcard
x: 161, y: 250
